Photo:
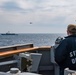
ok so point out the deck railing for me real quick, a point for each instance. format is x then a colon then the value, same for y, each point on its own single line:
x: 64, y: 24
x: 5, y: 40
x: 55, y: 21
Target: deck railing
x: 16, y: 49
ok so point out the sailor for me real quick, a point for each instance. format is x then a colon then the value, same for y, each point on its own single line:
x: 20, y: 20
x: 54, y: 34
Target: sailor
x: 65, y: 53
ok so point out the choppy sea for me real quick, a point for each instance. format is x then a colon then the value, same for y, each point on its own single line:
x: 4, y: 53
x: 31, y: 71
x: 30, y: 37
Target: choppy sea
x: 35, y: 39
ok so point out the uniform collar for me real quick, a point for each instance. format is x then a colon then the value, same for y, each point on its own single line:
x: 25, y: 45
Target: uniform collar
x: 71, y: 36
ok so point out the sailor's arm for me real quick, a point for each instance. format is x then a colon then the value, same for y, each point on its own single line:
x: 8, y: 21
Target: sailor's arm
x: 61, y: 52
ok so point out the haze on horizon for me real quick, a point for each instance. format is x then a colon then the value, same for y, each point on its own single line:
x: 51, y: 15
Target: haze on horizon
x: 36, y: 16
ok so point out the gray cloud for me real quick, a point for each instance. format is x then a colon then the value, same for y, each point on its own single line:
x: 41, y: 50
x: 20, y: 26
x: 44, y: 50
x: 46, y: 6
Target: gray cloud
x: 43, y: 13
x: 10, y: 6
x: 42, y: 5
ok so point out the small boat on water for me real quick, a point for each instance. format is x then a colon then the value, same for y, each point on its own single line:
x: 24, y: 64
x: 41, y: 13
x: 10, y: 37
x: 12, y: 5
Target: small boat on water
x: 8, y: 33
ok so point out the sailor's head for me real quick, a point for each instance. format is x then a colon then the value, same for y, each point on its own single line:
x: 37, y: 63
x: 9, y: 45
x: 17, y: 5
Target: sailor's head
x: 71, y: 29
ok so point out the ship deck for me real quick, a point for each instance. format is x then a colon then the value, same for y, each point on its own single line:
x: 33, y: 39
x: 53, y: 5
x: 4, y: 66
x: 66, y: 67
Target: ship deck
x: 43, y: 62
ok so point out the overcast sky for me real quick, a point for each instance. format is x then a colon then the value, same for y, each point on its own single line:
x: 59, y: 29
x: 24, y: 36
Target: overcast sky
x: 36, y: 16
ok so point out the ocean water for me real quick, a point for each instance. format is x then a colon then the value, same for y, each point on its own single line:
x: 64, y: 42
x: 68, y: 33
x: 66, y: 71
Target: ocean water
x: 35, y: 39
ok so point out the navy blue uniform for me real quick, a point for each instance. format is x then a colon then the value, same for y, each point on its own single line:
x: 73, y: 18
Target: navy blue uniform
x: 65, y: 53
